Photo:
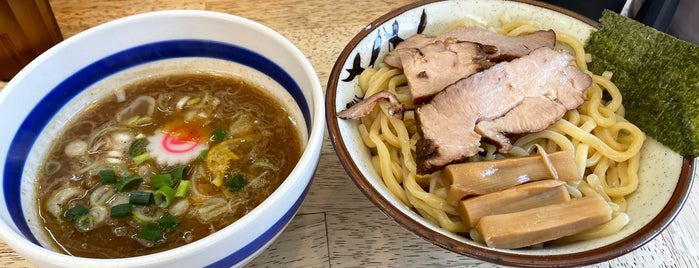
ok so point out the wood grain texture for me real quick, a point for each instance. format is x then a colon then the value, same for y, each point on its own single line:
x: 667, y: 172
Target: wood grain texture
x: 337, y: 226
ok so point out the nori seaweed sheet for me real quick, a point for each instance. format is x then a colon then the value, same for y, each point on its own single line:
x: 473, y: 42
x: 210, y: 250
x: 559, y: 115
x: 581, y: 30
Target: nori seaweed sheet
x: 658, y: 76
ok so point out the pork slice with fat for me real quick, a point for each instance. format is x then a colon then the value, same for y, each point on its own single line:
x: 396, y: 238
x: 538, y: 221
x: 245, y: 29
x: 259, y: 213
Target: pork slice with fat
x: 365, y: 106
x: 509, y: 47
x: 433, y: 67
x: 448, y: 123
x: 533, y: 114
x: 414, y: 42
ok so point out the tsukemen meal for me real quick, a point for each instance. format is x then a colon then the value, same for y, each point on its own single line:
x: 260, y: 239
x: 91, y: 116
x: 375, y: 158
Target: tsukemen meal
x: 501, y: 134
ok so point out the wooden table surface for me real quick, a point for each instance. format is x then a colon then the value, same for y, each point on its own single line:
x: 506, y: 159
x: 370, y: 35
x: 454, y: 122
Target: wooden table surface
x: 337, y: 226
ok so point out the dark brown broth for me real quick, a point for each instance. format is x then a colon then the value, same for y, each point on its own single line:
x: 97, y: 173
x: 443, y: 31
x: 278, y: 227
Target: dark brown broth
x: 281, y: 145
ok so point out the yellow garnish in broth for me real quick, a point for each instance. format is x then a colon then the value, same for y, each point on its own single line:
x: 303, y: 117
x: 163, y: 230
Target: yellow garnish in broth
x: 220, y: 156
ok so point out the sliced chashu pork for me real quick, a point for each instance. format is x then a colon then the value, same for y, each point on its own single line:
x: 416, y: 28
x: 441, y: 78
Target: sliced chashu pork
x: 365, y: 106
x: 487, y: 104
x: 508, y: 47
x: 437, y: 65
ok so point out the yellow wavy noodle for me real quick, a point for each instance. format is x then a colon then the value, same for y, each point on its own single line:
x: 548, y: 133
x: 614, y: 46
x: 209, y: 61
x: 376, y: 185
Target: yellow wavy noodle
x: 603, y: 117
x: 606, y: 146
x: 621, y: 201
x: 582, y: 150
x: 523, y: 29
x: 388, y: 134
x: 576, y: 46
x: 512, y: 27
x: 560, y: 140
x: 609, y: 228
x: 364, y: 79
x: 380, y: 80
x: 389, y: 179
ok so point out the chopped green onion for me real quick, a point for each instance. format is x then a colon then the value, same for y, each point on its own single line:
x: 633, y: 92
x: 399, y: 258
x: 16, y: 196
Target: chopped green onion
x: 140, y: 198
x: 139, y: 159
x: 164, y: 196
x: 120, y: 169
x: 138, y: 121
x: 202, y: 155
x: 146, y: 214
x: 107, y: 176
x: 129, y: 183
x: 101, y: 194
x: 182, y: 188
x: 168, y: 222
x: 178, y: 174
x: 97, y: 216
x: 138, y: 147
x: 150, y: 233
x: 76, y: 212
x: 218, y: 135
x: 160, y: 180
x: 85, y: 223
x: 52, y: 167
x: 237, y: 182
x: 263, y: 164
x: 193, y: 101
x: 120, y: 211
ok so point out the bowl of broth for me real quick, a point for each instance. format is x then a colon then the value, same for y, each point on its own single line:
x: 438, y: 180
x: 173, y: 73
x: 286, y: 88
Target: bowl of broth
x: 452, y: 119
x: 164, y: 138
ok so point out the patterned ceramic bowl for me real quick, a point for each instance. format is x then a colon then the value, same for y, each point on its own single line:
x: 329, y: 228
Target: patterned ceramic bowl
x: 83, y: 68
x: 665, y: 177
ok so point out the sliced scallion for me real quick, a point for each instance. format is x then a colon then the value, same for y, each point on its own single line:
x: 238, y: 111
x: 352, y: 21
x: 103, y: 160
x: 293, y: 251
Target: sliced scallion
x: 178, y: 174
x: 182, y: 188
x: 160, y: 180
x: 168, y: 222
x: 76, y: 212
x: 85, y: 223
x: 120, y: 211
x: 218, y: 135
x: 139, y: 159
x: 150, y: 233
x: 193, y: 101
x: 52, y: 167
x: 237, y: 182
x: 107, y: 176
x: 141, y: 198
x: 138, y: 147
x: 146, y: 214
x: 202, y: 155
x: 164, y: 196
x: 139, y: 121
x: 263, y: 164
x: 101, y: 194
x: 129, y: 183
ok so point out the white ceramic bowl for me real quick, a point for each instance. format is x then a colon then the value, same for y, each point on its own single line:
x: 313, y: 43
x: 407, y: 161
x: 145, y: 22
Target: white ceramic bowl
x: 59, y: 83
x: 665, y: 177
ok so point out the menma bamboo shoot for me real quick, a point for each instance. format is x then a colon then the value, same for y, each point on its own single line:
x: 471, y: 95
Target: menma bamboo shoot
x: 538, y: 225
x: 518, y: 198
x: 483, y: 177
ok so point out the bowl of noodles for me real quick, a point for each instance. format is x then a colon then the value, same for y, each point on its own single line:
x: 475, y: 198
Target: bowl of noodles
x: 464, y: 165
x: 168, y: 138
